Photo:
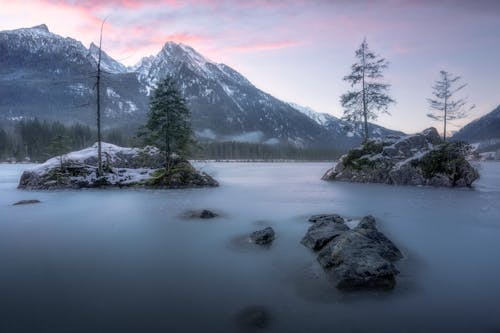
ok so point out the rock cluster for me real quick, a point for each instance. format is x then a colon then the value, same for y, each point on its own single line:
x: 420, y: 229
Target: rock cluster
x: 420, y: 159
x: 122, y: 167
x: 357, y: 258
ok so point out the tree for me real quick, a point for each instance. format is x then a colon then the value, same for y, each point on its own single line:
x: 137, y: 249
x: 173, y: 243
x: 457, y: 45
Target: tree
x: 370, y: 95
x: 98, y: 115
x: 447, y: 108
x: 58, y: 147
x: 169, y: 124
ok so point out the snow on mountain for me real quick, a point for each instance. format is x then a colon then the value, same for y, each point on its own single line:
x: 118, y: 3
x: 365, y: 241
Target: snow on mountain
x: 108, y: 64
x: 341, y: 128
x: 48, y: 76
x: 320, y: 118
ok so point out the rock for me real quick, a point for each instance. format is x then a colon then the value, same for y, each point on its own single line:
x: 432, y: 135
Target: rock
x: 26, y: 202
x: 420, y: 159
x: 262, y: 237
x: 324, y: 229
x: 123, y: 167
x: 202, y: 214
x: 254, y: 317
x: 326, y: 217
x: 360, y: 258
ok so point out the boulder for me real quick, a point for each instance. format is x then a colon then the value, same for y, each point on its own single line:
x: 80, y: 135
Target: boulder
x: 262, y: 237
x: 420, y: 159
x: 123, y: 167
x: 359, y: 258
x: 324, y: 229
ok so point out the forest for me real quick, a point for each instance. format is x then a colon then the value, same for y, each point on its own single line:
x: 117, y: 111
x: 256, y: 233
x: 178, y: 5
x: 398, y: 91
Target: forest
x: 35, y: 140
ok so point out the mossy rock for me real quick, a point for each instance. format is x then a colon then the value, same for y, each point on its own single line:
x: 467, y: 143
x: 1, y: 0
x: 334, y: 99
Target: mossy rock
x: 356, y: 159
x: 180, y: 175
x: 448, y: 158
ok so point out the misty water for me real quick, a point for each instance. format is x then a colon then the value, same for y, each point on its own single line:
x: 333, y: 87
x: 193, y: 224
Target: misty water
x: 128, y: 261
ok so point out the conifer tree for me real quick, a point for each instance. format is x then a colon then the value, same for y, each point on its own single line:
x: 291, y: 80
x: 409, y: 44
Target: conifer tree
x: 169, y: 124
x: 370, y: 95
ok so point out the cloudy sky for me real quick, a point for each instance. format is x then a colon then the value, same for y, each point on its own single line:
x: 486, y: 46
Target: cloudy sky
x: 300, y: 50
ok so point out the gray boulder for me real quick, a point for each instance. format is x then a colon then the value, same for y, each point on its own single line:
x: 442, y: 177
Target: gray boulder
x: 420, y: 159
x: 324, y: 229
x: 262, y: 237
x: 360, y: 258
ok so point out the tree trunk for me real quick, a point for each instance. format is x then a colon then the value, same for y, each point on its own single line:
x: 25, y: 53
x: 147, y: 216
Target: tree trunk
x: 365, y: 113
x: 167, y: 151
x: 98, y: 88
x: 445, y: 116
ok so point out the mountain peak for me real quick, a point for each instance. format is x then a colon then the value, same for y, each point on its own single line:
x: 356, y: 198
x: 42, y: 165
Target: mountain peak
x: 42, y: 27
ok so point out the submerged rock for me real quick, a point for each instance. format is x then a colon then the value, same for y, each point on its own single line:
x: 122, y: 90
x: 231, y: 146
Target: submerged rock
x: 26, y: 202
x: 420, y: 159
x: 262, y: 237
x: 254, y: 317
x: 358, y: 258
x: 122, y: 167
x: 202, y: 214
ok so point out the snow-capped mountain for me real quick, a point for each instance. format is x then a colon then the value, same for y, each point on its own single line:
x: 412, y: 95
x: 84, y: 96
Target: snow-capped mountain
x: 320, y: 118
x: 484, y: 131
x: 48, y: 76
x: 342, y: 132
x: 51, y: 77
x: 108, y: 64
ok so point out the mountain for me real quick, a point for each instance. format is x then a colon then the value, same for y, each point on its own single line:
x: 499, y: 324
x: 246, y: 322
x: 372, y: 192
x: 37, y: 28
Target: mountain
x: 485, y: 131
x: 108, y: 64
x: 344, y: 134
x: 48, y: 76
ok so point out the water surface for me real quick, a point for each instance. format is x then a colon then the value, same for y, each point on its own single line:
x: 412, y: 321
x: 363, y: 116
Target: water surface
x: 126, y: 260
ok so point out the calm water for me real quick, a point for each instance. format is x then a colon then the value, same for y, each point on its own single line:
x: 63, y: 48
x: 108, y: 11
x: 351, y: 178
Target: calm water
x: 125, y: 261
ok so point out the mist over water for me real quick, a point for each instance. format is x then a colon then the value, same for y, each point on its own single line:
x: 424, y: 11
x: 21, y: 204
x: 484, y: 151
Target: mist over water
x: 128, y: 261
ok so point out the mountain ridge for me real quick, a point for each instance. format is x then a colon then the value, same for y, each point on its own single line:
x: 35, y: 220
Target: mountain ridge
x: 224, y: 104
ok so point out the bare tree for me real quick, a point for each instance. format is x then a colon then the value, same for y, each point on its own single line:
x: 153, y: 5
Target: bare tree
x: 370, y: 96
x: 446, y: 107
x: 98, y: 88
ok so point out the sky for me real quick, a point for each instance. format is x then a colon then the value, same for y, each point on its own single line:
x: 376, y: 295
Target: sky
x: 299, y: 50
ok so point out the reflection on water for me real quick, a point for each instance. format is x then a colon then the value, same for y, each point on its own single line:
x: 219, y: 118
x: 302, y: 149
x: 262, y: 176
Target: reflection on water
x: 126, y: 260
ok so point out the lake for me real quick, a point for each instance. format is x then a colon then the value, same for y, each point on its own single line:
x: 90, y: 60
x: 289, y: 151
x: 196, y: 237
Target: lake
x: 127, y: 261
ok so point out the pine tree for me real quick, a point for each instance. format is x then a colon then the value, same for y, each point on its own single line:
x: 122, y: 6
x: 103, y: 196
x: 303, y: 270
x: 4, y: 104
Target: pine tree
x: 370, y: 95
x: 169, y: 124
x: 447, y: 108
x: 58, y: 147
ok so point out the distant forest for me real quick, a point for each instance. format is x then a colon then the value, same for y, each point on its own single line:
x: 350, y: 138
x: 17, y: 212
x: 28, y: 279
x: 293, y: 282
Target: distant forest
x: 36, y: 141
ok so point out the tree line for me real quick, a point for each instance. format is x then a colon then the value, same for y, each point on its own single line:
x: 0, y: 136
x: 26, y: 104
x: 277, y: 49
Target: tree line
x: 36, y: 140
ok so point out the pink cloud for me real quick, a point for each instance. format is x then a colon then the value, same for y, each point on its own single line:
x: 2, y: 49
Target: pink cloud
x: 264, y: 46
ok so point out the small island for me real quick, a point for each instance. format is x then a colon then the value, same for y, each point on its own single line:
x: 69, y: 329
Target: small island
x: 123, y: 167
x: 419, y: 159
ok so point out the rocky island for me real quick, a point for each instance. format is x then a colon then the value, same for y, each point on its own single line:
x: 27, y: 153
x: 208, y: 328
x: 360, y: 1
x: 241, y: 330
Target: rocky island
x: 123, y: 167
x: 419, y: 159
